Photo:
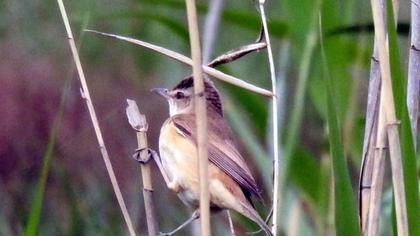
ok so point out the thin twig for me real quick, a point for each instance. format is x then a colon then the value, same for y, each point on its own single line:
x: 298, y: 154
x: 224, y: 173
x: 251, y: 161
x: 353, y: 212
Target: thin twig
x: 387, y: 100
x: 283, y: 59
x: 201, y: 117
x: 181, y: 58
x: 414, y: 68
x: 86, y: 96
x: 139, y: 124
x: 274, y: 119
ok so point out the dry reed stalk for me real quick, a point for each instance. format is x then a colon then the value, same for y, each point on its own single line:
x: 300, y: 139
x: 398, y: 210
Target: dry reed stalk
x: 274, y: 120
x: 139, y: 124
x: 377, y: 176
x: 95, y: 123
x: 369, y: 143
x: 414, y: 68
x: 201, y: 117
x: 371, y: 178
x: 211, y: 30
x: 181, y: 58
x: 390, y: 121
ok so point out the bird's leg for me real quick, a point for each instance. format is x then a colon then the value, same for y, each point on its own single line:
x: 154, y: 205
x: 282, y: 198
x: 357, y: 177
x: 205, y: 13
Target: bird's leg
x: 172, y: 184
x: 195, y: 215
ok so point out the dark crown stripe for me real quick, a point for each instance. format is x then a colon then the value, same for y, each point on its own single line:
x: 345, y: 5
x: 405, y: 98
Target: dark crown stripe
x: 212, y: 95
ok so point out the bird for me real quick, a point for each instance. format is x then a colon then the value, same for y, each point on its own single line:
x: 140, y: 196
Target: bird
x: 231, y: 183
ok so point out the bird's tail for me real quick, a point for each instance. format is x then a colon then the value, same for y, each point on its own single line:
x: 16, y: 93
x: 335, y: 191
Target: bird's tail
x: 252, y: 214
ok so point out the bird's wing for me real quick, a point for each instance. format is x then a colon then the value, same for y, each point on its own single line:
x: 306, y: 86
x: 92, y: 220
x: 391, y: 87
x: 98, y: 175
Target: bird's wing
x: 221, y: 149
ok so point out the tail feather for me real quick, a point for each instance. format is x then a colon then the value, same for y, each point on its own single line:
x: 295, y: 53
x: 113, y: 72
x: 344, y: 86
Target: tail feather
x: 252, y: 214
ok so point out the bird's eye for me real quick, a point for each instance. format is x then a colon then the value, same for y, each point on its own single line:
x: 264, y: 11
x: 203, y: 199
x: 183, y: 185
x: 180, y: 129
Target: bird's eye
x: 179, y: 95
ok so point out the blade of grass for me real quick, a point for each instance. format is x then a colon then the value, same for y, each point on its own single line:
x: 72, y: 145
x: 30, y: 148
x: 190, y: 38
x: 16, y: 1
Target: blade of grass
x: 243, y: 19
x: 164, y: 20
x: 346, y: 222
x: 407, y: 145
x: 306, y: 174
x: 32, y: 225
x: 294, y: 122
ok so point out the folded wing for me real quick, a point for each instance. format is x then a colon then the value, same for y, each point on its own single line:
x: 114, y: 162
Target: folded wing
x: 221, y: 150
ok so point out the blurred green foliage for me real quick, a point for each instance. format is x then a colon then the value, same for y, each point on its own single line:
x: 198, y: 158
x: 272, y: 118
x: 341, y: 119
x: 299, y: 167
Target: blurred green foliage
x: 78, y: 199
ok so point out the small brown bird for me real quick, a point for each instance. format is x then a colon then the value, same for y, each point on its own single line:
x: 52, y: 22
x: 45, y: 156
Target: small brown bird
x: 230, y: 181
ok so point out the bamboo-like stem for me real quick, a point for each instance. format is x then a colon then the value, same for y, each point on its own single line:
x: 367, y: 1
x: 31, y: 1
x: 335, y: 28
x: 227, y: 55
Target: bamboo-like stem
x: 181, y: 58
x: 414, y: 68
x: 139, y: 124
x: 201, y: 117
x: 274, y: 120
x: 369, y: 143
x: 377, y: 169
x: 387, y: 100
x: 95, y: 123
x: 373, y: 162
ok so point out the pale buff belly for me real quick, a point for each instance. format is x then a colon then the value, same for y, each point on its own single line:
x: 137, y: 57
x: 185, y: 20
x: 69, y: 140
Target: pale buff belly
x: 179, y: 160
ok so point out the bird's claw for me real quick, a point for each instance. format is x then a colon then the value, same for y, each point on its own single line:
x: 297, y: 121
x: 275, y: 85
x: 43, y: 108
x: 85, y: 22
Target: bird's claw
x: 164, y: 234
x: 143, y: 158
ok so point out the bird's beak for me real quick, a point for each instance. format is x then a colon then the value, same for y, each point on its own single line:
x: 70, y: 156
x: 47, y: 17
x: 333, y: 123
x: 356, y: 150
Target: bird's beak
x: 161, y: 91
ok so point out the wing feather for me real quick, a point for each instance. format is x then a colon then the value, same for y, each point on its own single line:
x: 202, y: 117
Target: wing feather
x: 221, y: 149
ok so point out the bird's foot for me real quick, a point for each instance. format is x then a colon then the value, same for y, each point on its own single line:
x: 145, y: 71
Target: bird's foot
x: 174, y: 186
x: 143, y: 158
x: 165, y: 234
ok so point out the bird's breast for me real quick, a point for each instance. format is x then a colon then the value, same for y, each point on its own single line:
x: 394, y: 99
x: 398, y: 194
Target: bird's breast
x: 179, y: 160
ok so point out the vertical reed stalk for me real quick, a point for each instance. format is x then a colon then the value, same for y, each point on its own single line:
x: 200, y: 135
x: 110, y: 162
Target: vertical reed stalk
x: 274, y: 119
x: 95, y: 123
x: 211, y: 30
x: 371, y: 129
x: 414, y: 68
x: 139, y: 124
x: 201, y: 117
x: 377, y: 176
x: 387, y: 101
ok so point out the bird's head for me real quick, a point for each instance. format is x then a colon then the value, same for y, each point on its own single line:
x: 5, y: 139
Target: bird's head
x: 181, y: 97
